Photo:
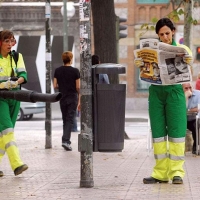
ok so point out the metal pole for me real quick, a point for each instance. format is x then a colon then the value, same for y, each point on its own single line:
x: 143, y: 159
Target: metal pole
x: 65, y: 31
x: 48, y: 144
x: 85, y: 140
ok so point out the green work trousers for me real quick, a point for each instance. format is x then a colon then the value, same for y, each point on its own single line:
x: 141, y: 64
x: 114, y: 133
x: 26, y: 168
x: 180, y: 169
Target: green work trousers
x: 167, y: 112
x: 8, y: 115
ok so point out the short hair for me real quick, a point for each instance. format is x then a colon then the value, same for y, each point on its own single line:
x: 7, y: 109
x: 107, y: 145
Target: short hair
x: 164, y: 22
x: 95, y: 59
x: 6, y: 34
x: 67, y: 57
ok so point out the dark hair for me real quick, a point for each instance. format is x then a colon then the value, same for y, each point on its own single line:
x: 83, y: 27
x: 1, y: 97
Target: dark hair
x: 67, y: 56
x: 164, y: 22
x: 95, y: 59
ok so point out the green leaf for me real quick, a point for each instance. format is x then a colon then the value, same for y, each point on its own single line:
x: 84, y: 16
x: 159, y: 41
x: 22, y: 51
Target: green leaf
x: 195, y: 22
x: 174, y: 12
x: 154, y: 20
x: 176, y: 18
x: 180, y: 12
x: 144, y: 26
x: 190, y: 19
x: 152, y: 28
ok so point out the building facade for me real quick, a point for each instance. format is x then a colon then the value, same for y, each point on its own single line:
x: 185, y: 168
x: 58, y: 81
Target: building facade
x: 137, y: 13
x: 30, y: 21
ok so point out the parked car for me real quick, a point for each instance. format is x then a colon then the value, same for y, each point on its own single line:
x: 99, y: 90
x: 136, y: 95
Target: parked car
x: 27, y: 110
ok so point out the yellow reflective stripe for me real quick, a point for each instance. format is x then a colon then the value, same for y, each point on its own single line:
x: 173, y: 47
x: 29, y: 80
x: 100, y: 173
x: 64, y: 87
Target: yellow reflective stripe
x: 176, y: 140
x: 173, y: 157
x: 21, y: 69
x: 8, y: 130
x: 160, y: 139
x: 12, y: 143
x: 2, y: 152
x: 4, y: 78
x: 160, y: 156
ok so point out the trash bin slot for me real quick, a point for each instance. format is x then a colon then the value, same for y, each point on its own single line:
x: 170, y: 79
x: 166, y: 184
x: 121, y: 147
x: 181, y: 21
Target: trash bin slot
x: 111, y: 70
x: 107, y: 65
x: 111, y: 87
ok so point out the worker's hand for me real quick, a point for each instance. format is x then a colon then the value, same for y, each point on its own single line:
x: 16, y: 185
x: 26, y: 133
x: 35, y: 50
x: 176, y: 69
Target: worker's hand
x: 188, y: 59
x: 138, y: 62
x: 8, y: 84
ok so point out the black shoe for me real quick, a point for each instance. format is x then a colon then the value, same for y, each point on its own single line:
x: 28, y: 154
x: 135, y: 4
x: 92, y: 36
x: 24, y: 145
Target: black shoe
x: 194, y: 149
x: 20, y: 169
x: 177, y: 180
x: 66, y: 146
x: 151, y: 180
x: 1, y: 173
x: 194, y: 152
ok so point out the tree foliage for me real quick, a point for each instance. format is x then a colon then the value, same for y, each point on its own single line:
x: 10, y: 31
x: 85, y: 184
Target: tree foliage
x: 174, y: 15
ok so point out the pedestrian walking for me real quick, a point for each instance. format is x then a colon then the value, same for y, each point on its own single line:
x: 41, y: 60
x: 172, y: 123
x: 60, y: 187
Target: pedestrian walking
x: 12, y: 75
x: 67, y: 81
x: 167, y: 112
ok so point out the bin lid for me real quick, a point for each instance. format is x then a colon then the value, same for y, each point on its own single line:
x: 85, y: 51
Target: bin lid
x: 109, y: 68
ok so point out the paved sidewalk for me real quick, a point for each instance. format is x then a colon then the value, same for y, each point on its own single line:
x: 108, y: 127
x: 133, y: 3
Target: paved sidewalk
x: 54, y: 174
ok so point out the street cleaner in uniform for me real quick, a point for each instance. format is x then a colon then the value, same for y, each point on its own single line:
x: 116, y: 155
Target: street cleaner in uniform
x: 11, y: 76
x: 167, y: 112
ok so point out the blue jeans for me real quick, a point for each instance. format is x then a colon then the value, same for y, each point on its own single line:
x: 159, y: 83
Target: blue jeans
x: 74, y: 125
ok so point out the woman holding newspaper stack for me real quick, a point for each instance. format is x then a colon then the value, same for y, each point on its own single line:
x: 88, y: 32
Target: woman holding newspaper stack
x: 167, y: 112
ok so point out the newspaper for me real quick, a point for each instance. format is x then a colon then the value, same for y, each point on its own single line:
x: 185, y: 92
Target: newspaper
x: 163, y: 63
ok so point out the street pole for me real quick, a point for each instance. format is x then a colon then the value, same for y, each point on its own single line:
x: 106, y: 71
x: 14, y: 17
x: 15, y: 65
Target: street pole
x: 85, y: 138
x: 65, y: 31
x: 48, y: 144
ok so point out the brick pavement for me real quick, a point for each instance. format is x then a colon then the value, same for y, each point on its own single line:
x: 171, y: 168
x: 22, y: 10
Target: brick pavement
x: 54, y: 174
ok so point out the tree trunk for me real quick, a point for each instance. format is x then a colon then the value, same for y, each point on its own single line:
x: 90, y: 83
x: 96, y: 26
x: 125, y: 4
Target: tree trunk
x: 103, y: 13
x: 104, y: 30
